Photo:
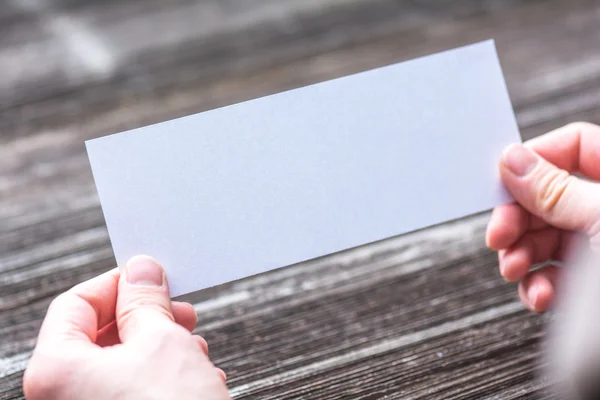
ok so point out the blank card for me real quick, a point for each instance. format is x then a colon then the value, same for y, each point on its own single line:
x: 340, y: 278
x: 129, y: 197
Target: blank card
x: 274, y: 181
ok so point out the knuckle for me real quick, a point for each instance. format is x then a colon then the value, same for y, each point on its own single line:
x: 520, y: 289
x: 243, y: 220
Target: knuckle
x: 58, y: 300
x: 201, y: 343
x: 147, y: 303
x: 168, y: 338
x: 552, y: 188
x: 168, y: 334
x: 41, y: 382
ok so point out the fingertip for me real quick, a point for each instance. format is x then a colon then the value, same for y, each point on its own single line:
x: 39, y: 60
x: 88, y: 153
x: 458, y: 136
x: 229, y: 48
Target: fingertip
x: 187, y: 307
x: 488, y: 242
x: 523, y: 295
x: 501, y: 264
x: 491, y: 236
x: 507, y: 224
x: 222, y: 374
x: 202, y: 343
x: 144, y: 270
x: 515, y: 264
x: 537, y: 289
x: 142, y: 258
x: 184, y: 314
x: 492, y: 231
x: 540, y: 296
x: 532, y: 296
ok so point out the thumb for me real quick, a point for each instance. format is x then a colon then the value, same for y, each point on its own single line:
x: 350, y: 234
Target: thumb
x: 143, y: 301
x: 552, y: 194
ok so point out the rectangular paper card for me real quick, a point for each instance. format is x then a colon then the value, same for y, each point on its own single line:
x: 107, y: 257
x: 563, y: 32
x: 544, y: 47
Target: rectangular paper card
x: 271, y: 182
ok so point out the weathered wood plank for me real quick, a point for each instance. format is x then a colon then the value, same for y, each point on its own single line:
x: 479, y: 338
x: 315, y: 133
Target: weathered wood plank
x: 455, y: 365
x: 407, y: 31
x: 420, y: 316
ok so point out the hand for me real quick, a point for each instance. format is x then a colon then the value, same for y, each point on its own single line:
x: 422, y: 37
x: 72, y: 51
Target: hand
x: 553, y: 207
x: 119, y: 336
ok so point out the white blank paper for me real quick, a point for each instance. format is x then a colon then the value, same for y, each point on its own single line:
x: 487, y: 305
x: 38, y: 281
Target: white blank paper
x: 244, y: 189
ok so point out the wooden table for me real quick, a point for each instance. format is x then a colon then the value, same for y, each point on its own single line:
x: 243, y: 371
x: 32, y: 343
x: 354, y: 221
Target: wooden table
x: 421, y: 316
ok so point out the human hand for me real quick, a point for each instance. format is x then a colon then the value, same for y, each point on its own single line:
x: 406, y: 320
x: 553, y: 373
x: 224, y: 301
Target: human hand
x: 119, y: 336
x: 553, y: 208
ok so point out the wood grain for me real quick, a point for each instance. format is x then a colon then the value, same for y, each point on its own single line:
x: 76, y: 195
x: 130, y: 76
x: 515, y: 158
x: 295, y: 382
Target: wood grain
x: 421, y: 316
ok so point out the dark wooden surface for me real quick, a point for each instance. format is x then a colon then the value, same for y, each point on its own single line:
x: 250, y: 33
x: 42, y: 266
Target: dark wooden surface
x: 422, y: 316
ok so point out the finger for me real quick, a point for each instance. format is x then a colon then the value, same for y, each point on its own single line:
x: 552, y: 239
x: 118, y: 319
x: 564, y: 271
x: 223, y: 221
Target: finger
x: 184, y: 314
x: 552, y: 194
x: 143, y: 302
x: 574, y: 148
x: 76, y: 314
x: 538, y: 289
x: 532, y: 248
x: 201, y: 343
x: 109, y: 335
x: 507, y: 224
x: 222, y: 374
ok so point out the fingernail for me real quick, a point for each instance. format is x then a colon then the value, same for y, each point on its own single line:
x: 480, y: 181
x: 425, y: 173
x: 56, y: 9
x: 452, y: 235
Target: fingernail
x: 501, y: 262
x: 143, y: 270
x: 532, y: 296
x: 519, y: 159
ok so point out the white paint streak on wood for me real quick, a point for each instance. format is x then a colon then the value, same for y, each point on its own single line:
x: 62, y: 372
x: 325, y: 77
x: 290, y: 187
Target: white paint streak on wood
x: 221, y: 301
x: 52, y: 249
x: 562, y: 107
x: 72, y: 261
x: 14, y: 364
x: 82, y: 42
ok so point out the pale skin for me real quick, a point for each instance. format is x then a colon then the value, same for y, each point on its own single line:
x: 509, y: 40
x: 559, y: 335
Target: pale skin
x: 119, y: 336
x: 553, y: 208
